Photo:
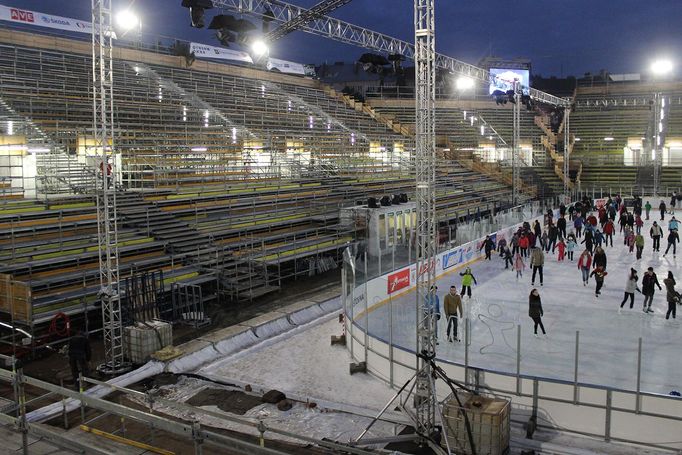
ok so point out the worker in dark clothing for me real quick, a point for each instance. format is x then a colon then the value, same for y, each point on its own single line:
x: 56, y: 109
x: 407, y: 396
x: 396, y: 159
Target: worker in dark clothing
x: 79, y: 356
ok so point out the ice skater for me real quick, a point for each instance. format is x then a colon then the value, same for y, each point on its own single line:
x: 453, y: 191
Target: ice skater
x: 578, y: 225
x: 672, y: 295
x: 609, y: 230
x: 630, y: 240
x: 639, y: 244
x: 649, y: 280
x: 489, y: 246
x: 537, y: 262
x: 452, y: 305
x: 599, y: 274
x: 524, y: 242
x: 507, y: 254
x: 673, y: 224
x: 599, y: 259
x: 535, y: 311
x: 571, y: 246
x: 647, y: 209
x: 662, y: 208
x: 467, y: 279
x: 432, y: 308
x: 630, y: 288
x: 638, y: 223
x: 519, y: 266
x: 561, y: 246
x: 584, y: 264
x: 655, y: 233
x: 673, y: 239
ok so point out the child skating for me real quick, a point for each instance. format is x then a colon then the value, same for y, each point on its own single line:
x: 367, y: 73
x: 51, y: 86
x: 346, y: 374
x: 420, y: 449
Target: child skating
x: 519, y: 266
x: 599, y: 274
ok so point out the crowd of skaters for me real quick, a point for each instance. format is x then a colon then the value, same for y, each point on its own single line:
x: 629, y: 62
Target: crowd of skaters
x: 593, y: 227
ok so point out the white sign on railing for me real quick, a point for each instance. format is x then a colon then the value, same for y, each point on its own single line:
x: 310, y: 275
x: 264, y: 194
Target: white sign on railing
x: 206, y: 51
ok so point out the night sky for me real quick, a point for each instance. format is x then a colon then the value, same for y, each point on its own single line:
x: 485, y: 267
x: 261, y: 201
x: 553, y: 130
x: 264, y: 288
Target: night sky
x: 561, y: 37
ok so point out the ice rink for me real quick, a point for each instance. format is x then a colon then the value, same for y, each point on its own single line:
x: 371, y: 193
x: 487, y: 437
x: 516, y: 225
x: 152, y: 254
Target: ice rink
x: 608, y: 341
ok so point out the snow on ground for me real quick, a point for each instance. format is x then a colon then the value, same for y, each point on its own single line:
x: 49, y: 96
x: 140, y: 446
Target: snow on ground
x: 608, y: 340
x: 306, y: 365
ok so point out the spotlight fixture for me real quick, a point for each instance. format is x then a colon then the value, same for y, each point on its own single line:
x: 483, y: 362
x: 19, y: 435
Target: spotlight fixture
x: 196, y: 11
x: 464, y: 83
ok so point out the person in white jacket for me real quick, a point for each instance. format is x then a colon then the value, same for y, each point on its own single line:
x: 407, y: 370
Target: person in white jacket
x: 630, y: 288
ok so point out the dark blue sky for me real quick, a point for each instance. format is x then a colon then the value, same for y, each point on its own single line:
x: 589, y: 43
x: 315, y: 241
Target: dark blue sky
x: 559, y: 36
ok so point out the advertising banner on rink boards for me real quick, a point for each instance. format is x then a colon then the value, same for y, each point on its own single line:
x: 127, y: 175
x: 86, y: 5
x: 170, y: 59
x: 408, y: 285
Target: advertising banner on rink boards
x: 28, y: 17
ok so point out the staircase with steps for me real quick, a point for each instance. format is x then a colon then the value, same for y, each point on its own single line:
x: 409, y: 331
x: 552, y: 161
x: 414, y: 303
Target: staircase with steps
x: 239, y: 278
x: 60, y: 173
x: 179, y: 237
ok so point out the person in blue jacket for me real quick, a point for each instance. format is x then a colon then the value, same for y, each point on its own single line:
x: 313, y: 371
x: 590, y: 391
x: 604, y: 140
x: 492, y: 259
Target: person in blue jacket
x: 578, y: 225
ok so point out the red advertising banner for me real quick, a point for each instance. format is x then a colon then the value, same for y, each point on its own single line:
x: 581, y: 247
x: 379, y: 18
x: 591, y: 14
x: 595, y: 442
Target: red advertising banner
x: 398, y: 280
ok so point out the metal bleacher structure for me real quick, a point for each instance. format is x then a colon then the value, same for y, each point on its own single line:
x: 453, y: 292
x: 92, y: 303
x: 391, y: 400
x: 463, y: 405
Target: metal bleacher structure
x: 231, y: 177
x: 623, y: 112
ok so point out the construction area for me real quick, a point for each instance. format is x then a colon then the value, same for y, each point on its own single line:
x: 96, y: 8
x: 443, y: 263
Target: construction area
x: 196, y: 223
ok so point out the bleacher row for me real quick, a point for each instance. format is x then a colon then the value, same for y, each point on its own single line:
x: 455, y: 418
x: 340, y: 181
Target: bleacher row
x: 201, y: 213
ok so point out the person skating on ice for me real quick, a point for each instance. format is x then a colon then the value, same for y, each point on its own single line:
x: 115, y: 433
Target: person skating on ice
x: 639, y: 244
x: 489, y: 246
x: 655, y: 233
x: 630, y: 240
x: 673, y: 239
x: 584, y: 265
x: 501, y: 245
x: 588, y: 240
x: 649, y: 280
x: 452, y: 306
x: 647, y: 209
x: 537, y: 262
x: 599, y: 274
x: 561, y: 246
x: 630, y: 288
x: 571, y: 246
x: 638, y: 223
x: 519, y: 266
x: 598, y: 238
x: 672, y: 296
x: 578, y: 225
x: 662, y: 208
x: 467, y: 279
x: 673, y: 224
x: 508, y: 258
x: 609, y: 230
x: 623, y: 220
x: 524, y: 242
x: 599, y: 258
x: 561, y: 226
x: 432, y: 308
x: 535, y: 311
x: 552, y: 236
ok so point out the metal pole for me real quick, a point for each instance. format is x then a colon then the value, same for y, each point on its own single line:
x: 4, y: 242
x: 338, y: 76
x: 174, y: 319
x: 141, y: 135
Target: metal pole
x: 638, y: 402
x: 607, y: 423
x: 390, y: 341
x: 567, y: 112
x: 516, y: 143
x: 575, y: 371
x: 366, y: 343
x: 466, y: 351
x: 518, y: 359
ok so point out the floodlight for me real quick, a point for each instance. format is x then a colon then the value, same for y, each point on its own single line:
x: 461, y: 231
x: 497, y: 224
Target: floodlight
x: 127, y: 20
x: 464, y: 83
x: 608, y: 138
x: 259, y: 47
x: 662, y: 67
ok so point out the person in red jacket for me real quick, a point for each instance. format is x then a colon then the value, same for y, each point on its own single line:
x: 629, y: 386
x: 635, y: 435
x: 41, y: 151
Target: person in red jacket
x: 592, y: 220
x: 609, y: 230
x: 584, y: 264
x: 523, y: 245
x: 561, y: 246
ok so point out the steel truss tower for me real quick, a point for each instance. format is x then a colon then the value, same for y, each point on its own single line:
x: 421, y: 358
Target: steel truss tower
x: 567, y: 143
x: 103, y: 147
x: 425, y: 164
x: 516, y: 145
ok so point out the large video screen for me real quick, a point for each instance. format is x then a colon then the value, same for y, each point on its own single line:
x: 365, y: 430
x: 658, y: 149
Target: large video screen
x: 505, y: 78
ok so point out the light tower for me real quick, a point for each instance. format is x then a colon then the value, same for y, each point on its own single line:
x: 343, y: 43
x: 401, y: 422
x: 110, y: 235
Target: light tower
x: 425, y: 167
x: 104, y: 147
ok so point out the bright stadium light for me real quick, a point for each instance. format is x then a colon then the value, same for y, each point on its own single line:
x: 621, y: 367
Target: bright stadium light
x: 127, y: 20
x: 608, y: 138
x: 464, y: 83
x: 259, y: 47
x: 662, y: 67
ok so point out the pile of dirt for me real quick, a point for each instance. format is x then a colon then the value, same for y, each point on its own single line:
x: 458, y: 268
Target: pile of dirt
x: 233, y: 401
